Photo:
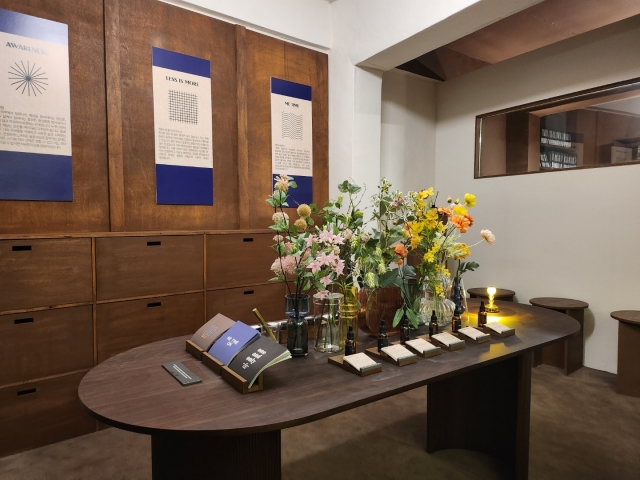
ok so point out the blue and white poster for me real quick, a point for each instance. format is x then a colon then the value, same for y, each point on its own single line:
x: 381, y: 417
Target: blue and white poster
x: 35, y: 109
x: 183, y: 128
x: 292, y: 137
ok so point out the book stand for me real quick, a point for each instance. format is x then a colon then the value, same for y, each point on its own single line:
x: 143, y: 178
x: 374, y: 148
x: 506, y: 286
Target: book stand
x: 212, y: 362
x: 194, y: 350
x: 239, y: 383
x: 508, y: 333
x: 431, y: 353
x: 383, y: 356
x: 452, y: 348
x: 464, y: 337
x: 339, y: 361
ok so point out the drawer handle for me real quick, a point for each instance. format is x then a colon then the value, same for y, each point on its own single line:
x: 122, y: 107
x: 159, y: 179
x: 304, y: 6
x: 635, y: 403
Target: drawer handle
x: 28, y: 391
x: 154, y: 304
x: 20, y: 321
x: 248, y: 239
x: 153, y: 244
x: 21, y: 248
x: 248, y: 292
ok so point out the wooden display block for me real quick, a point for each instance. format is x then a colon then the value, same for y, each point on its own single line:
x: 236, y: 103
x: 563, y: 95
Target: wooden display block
x: 383, y: 356
x: 213, y: 363
x: 452, y: 348
x: 431, y: 353
x: 239, y: 383
x: 339, y: 361
x: 194, y: 350
x: 508, y: 333
x: 464, y: 337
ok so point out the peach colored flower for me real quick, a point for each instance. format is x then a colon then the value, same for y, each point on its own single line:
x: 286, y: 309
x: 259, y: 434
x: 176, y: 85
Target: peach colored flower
x: 470, y: 218
x: 446, y: 211
x: 488, y: 236
x: 461, y: 222
x: 401, y: 251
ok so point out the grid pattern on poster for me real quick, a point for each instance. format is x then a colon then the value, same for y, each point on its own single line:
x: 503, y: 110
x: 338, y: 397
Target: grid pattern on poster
x: 183, y: 107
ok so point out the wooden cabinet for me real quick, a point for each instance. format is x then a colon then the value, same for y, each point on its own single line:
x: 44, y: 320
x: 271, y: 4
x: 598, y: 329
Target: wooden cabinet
x: 38, y: 413
x: 44, y: 272
x: 136, y: 266
x: 124, y: 325
x: 238, y: 303
x: 238, y: 259
x: 44, y: 343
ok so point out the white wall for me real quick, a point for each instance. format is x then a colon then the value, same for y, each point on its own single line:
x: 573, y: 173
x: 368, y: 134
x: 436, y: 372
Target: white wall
x: 304, y: 21
x: 408, y: 134
x: 565, y: 234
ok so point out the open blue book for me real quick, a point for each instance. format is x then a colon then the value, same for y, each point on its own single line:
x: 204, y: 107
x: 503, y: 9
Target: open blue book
x: 233, y: 341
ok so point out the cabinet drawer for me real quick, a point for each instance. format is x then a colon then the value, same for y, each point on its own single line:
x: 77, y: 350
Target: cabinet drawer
x: 42, y: 273
x: 239, y: 259
x: 40, y: 344
x: 124, y: 325
x: 238, y: 303
x: 136, y: 266
x: 39, y: 413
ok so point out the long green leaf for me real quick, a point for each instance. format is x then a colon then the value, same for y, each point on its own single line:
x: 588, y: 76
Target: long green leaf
x: 398, y: 317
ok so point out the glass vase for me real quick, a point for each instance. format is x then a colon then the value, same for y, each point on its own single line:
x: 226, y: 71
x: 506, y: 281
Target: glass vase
x: 349, y: 314
x: 326, y: 314
x: 440, y: 303
x: 296, y: 308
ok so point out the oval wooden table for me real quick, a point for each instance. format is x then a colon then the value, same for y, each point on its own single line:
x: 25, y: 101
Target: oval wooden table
x: 628, y: 379
x: 501, y: 294
x: 210, y: 430
x: 568, y: 355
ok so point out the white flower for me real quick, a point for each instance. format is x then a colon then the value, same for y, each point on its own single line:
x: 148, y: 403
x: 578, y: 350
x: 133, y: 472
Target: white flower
x: 347, y: 234
x: 488, y: 236
x: 280, y: 217
x: 364, y: 238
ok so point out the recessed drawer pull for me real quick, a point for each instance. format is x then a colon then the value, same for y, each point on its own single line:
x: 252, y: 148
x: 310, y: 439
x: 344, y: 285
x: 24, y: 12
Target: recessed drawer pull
x: 28, y: 391
x: 248, y: 239
x: 248, y: 292
x: 154, y: 304
x: 153, y: 244
x: 21, y: 248
x: 20, y: 321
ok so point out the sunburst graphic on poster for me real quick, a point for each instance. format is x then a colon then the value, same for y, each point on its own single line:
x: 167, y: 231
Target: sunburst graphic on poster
x: 28, y: 79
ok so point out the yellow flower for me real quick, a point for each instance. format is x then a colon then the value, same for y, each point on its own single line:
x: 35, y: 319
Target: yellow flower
x: 460, y: 251
x: 459, y: 210
x: 469, y: 200
x: 441, y: 227
x: 439, y: 290
x: 301, y: 224
x: 431, y: 219
x: 304, y: 210
x: 415, y: 241
x: 430, y: 256
x: 416, y: 227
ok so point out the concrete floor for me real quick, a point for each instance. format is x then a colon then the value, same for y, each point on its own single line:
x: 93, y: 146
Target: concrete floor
x: 580, y: 429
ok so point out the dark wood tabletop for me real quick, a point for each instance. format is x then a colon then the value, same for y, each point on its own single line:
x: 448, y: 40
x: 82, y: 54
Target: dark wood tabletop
x: 627, y: 316
x: 133, y: 392
x: 500, y: 293
x: 558, y: 303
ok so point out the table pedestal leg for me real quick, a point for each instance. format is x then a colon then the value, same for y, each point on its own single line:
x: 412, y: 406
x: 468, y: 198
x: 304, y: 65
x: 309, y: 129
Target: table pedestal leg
x: 255, y: 456
x: 486, y: 410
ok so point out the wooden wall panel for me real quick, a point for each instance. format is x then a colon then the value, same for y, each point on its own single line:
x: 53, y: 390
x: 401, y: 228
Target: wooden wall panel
x: 238, y: 303
x: 139, y: 25
x: 267, y: 57
x: 89, y: 210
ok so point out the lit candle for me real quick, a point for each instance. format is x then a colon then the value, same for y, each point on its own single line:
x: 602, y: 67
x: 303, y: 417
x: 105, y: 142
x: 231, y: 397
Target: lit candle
x: 492, y: 308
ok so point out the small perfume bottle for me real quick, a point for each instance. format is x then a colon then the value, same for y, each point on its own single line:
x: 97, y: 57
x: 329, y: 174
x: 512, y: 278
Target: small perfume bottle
x: 383, y: 339
x: 433, y: 326
x: 405, y: 331
x: 456, y: 321
x: 350, y: 343
x: 482, y: 316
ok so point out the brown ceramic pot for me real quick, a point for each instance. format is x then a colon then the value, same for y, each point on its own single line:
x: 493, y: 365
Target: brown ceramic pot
x: 376, y: 305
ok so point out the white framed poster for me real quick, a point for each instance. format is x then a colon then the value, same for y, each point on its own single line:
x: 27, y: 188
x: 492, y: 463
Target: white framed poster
x: 183, y: 128
x: 292, y: 137
x: 35, y: 109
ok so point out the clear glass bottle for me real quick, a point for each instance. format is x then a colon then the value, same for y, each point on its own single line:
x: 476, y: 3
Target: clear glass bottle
x: 326, y: 314
x: 296, y: 308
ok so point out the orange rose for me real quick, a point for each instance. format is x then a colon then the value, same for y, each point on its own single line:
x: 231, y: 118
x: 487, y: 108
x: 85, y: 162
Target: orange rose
x: 401, y: 251
x: 461, y: 222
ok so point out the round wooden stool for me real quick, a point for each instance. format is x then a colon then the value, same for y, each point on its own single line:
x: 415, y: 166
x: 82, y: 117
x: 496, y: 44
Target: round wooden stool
x: 501, y: 294
x: 568, y: 355
x: 628, y: 381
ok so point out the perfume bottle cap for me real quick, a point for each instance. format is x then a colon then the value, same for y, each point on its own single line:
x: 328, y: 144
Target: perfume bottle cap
x: 350, y: 335
x: 482, y: 307
x: 434, y: 317
x: 458, y: 311
x: 383, y: 327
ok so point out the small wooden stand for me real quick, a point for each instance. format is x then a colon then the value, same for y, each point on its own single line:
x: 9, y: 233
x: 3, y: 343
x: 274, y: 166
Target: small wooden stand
x: 239, y: 383
x: 194, y: 350
x: 339, y: 361
x: 400, y: 363
x: 431, y: 353
x: 211, y: 362
x: 452, y: 348
x: 464, y: 337
x: 508, y: 333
